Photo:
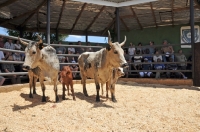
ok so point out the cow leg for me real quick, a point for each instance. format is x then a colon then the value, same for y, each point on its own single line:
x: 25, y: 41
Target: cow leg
x: 98, y: 89
x: 72, y: 90
x: 101, y: 88
x: 30, y: 85
x: 112, y: 90
x: 83, y: 81
x: 56, y: 90
x: 63, y: 90
x: 107, y: 88
x: 43, y: 89
x: 34, y: 85
x: 68, y: 89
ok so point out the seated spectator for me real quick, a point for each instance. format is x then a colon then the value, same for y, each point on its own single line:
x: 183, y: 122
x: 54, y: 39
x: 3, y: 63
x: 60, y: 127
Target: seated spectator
x: 69, y: 59
x: 156, y: 56
x: 148, y: 55
x: 89, y: 49
x: 71, y: 49
x: 2, y: 57
x: 141, y: 49
x: 146, y: 67
x: 18, y: 45
x: 168, y: 51
x: 1, y: 42
x: 137, y: 58
x: 151, y: 48
x: 9, y: 68
x: 159, y: 67
x: 96, y: 49
x: 126, y: 56
x: 61, y: 48
x: 61, y: 59
x: 2, y: 79
x: 131, y: 51
x: 17, y: 57
x: 74, y: 68
x: 80, y: 50
x: 174, y: 66
x: 9, y: 45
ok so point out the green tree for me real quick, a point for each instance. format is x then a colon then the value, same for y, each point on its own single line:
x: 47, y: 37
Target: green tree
x: 33, y: 35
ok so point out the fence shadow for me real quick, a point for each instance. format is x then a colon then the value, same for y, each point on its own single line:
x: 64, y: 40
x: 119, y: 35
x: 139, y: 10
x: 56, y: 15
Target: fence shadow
x: 92, y: 100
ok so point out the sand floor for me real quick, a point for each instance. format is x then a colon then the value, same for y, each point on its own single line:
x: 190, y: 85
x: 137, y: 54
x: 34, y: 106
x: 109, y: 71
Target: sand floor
x: 140, y: 108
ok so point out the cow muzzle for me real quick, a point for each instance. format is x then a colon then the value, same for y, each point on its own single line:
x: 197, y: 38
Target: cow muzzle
x: 125, y: 65
x: 26, y: 68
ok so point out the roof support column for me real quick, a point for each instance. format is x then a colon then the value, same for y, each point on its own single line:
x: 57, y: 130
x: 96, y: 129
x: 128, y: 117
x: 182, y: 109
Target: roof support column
x: 192, y: 36
x: 86, y: 37
x: 21, y: 32
x: 117, y: 24
x: 56, y: 34
x: 48, y: 22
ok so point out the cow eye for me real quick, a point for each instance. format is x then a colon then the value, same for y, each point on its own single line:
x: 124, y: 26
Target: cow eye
x: 115, y: 52
x: 33, y: 52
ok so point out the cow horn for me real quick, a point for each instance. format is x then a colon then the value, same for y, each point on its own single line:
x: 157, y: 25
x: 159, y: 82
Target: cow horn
x: 22, y: 42
x: 40, y: 40
x: 109, y: 39
x: 123, y: 42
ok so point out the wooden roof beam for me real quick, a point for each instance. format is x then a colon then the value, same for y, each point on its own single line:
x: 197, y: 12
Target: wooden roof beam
x: 153, y: 14
x: 29, y: 17
x: 38, y: 25
x: 184, y: 8
x: 127, y: 29
x: 7, y: 3
x: 98, y: 14
x: 134, y: 15
x: 61, y: 12
x: 79, y: 15
x: 109, y: 25
x: 172, y: 8
x: 22, y: 15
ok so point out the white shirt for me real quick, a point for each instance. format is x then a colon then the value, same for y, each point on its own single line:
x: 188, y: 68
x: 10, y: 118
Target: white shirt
x: 156, y: 57
x: 131, y: 50
x: 17, y: 46
x: 71, y: 49
x: 1, y: 55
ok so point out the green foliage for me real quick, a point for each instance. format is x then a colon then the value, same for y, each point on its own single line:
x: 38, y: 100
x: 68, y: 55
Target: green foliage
x: 33, y: 35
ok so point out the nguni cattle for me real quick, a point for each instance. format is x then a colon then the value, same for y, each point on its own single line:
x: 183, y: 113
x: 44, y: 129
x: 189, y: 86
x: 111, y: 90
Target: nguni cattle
x: 43, y: 62
x: 99, y: 65
x: 115, y: 75
x: 66, y: 78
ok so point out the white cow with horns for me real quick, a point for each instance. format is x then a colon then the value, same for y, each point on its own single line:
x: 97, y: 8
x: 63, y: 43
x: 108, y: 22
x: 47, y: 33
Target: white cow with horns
x: 99, y: 65
x: 43, y: 62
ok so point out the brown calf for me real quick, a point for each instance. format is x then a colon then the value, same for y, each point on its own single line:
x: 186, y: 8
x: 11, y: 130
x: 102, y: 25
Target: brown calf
x: 66, y: 78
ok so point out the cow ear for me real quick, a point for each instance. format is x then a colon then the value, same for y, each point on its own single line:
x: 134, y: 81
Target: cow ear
x: 41, y: 46
x: 108, y: 47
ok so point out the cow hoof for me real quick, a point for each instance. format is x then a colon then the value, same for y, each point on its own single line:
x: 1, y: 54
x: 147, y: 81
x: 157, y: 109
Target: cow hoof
x: 43, y: 99
x: 74, y: 99
x: 106, y: 95
x: 97, y: 99
x: 30, y: 96
x: 86, y: 95
x: 114, y: 100
x: 57, y: 99
x: 34, y: 92
x: 63, y: 98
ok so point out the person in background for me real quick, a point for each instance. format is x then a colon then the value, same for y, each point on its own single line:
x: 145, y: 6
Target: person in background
x: 156, y: 56
x: 151, y: 48
x: 80, y: 50
x: 140, y: 48
x: 137, y: 58
x: 146, y: 67
x: 159, y: 66
x: 89, y: 49
x: 2, y: 79
x: 9, y: 45
x: 168, y: 51
x: 61, y: 59
x: 61, y: 48
x: 131, y: 51
x: 17, y: 57
x: 180, y: 57
x: 9, y: 68
x: 1, y: 42
x: 72, y: 49
x: 17, y: 45
x: 74, y: 68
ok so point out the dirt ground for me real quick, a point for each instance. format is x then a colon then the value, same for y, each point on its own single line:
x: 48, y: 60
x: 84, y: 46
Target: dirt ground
x: 140, y: 108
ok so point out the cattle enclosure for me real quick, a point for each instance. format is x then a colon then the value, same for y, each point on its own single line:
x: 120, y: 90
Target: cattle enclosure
x: 149, y: 107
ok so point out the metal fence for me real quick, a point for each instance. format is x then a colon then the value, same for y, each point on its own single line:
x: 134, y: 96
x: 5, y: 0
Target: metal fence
x: 129, y: 71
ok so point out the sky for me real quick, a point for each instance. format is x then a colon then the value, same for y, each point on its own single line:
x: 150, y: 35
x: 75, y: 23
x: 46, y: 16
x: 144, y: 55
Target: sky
x: 72, y: 38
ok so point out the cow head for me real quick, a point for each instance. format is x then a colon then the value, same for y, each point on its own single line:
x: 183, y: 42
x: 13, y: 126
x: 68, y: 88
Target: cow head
x: 120, y: 72
x: 32, y: 53
x: 116, y: 53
